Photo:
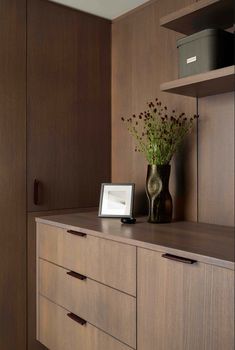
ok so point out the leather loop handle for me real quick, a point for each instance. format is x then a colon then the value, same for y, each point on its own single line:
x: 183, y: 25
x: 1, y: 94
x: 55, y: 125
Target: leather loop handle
x: 36, y: 192
x: 76, y: 318
x: 179, y: 259
x: 76, y: 275
x: 80, y: 234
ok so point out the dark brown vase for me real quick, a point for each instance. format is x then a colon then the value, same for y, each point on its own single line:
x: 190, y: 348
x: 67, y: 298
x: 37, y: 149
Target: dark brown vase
x: 159, y: 198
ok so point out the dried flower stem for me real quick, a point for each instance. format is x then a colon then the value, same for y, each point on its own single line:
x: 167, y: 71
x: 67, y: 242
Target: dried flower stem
x: 158, y: 134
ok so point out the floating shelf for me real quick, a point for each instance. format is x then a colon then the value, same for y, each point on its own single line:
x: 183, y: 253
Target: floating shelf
x: 201, y: 15
x: 214, y: 82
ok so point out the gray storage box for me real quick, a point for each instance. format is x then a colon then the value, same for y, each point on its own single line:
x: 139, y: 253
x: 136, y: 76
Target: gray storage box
x: 203, y: 51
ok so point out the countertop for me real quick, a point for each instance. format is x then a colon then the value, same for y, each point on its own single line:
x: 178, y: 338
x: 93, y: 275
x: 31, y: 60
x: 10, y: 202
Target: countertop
x: 207, y: 243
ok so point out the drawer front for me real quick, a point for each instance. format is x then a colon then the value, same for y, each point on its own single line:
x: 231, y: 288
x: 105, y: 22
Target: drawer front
x: 103, y: 260
x: 183, y: 304
x: 108, y: 309
x: 57, y: 331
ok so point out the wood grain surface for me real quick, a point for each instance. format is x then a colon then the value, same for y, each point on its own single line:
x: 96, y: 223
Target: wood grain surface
x: 108, y: 262
x: 106, y: 308
x: 218, y: 81
x: 68, y: 106
x: 143, y: 56
x: 58, y: 332
x: 12, y: 174
x: 193, y: 305
x: 216, y: 160
x: 212, y: 14
x: 209, y: 243
x: 151, y: 59
x: 33, y: 344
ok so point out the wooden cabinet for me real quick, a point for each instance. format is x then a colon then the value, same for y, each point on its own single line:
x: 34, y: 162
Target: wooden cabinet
x: 59, y: 332
x: 12, y: 175
x: 91, y: 278
x: 68, y: 106
x: 183, y: 305
x: 55, y: 121
x: 33, y: 344
x: 183, y: 298
x: 68, y: 117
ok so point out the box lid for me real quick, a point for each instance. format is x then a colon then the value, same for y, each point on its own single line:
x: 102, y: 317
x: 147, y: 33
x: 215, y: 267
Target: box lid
x: 198, y: 35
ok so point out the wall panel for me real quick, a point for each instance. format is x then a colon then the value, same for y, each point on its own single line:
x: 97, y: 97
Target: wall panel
x: 143, y: 56
x: 12, y: 174
x: 216, y: 160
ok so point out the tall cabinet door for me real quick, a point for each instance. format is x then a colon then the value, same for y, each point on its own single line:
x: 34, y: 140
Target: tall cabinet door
x: 69, y: 112
x: 12, y: 174
x: 183, y: 306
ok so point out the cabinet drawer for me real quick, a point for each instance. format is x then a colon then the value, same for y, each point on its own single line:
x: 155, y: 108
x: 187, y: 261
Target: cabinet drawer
x: 108, y: 309
x: 57, y: 331
x: 106, y: 261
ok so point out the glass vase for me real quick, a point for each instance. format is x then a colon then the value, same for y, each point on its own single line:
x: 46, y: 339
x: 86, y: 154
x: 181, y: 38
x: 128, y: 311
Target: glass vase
x: 159, y: 198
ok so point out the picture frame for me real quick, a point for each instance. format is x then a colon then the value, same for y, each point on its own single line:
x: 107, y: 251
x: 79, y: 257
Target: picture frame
x: 116, y: 200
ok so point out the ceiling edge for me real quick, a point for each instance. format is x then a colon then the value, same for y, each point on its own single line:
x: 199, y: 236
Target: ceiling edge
x: 136, y: 9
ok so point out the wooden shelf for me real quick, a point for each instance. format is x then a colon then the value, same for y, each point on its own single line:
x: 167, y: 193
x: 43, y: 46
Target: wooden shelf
x: 214, y: 82
x: 201, y: 15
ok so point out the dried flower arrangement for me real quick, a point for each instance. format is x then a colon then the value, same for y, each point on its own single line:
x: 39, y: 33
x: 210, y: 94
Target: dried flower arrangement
x: 158, y: 133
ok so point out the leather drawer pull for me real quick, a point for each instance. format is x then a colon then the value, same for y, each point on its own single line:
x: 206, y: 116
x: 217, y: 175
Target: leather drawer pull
x: 76, y: 319
x: 80, y: 234
x: 76, y: 275
x: 36, y: 192
x: 179, y: 259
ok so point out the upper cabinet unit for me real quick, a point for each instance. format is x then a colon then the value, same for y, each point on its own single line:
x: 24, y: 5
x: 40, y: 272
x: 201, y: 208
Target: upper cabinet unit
x: 196, y: 17
x: 69, y: 107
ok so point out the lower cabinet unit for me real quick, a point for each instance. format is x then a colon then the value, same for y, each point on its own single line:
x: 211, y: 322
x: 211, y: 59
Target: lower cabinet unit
x: 102, y: 285
x: 183, y: 304
x: 59, y: 330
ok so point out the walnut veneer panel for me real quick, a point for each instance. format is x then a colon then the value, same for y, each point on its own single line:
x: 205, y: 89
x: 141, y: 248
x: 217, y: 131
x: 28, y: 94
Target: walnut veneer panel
x: 216, y: 160
x: 193, y: 305
x: 111, y: 263
x: 12, y: 174
x: 106, y: 308
x: 206, y: 242
x: 210, y: 83
x: 212, y: 14
x: 59, y: 332
x: 33, y: 344
x: 69, y: 105
x: 144, y: 55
